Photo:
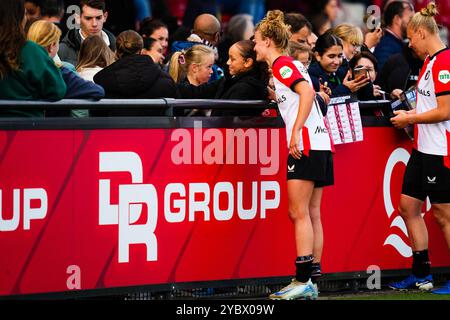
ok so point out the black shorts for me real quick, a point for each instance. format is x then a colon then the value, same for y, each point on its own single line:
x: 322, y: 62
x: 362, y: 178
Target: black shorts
x: 317, y: 167
x: 426, y: 175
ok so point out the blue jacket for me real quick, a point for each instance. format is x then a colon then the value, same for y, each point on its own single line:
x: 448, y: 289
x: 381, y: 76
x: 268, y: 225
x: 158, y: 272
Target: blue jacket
x: 388, y: 46
x: 78, y: 88
x: 317, y: 74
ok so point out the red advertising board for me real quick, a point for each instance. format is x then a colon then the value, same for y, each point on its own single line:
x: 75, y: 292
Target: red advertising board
x: 91, y: 209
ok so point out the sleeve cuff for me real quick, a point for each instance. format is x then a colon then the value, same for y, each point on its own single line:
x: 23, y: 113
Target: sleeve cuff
x: 444, y: 93
x: 293, y: 84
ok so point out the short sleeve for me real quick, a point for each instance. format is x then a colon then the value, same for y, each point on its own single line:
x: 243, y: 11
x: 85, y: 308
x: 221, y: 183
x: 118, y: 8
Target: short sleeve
x: 441, y: 74
x: 285, y: 71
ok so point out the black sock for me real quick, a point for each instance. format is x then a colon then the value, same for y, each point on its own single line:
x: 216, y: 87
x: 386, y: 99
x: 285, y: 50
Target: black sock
x: 421, y: 264
x: 316, y: 272
x: 303, y: 268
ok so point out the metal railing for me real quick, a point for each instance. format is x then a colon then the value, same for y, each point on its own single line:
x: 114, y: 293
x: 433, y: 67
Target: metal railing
x: 165, y: 104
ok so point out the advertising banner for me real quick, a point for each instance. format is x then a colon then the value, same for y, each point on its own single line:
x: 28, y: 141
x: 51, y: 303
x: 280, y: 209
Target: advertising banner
x: 91, y: 209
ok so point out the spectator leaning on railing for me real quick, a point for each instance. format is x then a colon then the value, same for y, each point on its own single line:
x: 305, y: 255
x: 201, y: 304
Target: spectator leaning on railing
x: 26, y: 70
x: 134, y: 76
x: 248, y: 80
x: 47, y: 34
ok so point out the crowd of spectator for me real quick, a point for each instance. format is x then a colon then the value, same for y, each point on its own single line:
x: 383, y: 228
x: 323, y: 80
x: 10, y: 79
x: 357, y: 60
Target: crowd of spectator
x: 99, y: 52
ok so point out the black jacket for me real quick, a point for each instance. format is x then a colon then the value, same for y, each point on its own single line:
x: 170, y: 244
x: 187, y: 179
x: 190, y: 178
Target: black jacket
x: 401, y: 71
x: 246, y: 86
x: 71, y: 43
x: 135, y: 77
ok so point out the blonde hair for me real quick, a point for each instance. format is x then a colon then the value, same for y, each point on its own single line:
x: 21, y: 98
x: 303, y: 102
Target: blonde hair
x: 94, y: 52
x: 349, y: 33
x: 181, y: 60
x: 44, y: 33
x: 272, y: 26
x: 425, y: 19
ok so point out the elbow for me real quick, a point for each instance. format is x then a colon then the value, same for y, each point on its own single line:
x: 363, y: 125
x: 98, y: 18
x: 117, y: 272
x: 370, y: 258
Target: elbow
x: 311, y: 93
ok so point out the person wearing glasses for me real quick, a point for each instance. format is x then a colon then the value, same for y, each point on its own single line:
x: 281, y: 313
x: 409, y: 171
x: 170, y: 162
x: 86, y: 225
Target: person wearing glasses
x: 366, y: 63
x: 396, y: 17
x: 207, y: 31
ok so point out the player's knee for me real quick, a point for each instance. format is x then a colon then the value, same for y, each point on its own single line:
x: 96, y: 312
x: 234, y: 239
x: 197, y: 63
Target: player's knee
x: 298, y: 213
x: 314, y: 212
x: 406, y: 212
x: 442, y: 216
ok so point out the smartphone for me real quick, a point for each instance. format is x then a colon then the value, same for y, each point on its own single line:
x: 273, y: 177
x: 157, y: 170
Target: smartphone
x: 360, y: 72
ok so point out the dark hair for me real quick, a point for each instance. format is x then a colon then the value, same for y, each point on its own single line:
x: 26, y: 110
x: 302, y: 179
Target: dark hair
x: 297, y: 21
x: 363, y: 54
x: 318, y: 7
x: 128, y: 43
x: 246, y: 49
x: 52, y: 8
x: 12, y: 35
x: 37, y: 3
x: 395, y: 8
x: 96, y: 4
x: 317, y: 21
x: 148, y: 43
x: 149, y: 25
x: 326, y: 41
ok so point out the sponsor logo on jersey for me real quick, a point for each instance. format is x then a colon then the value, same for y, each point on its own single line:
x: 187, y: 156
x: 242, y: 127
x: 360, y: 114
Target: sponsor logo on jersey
x: 444, y: 76
x: 286, y: 72
x: 281, y: 99
x: 423, y: 92
x: 320, y: 129
x: 427, y: 75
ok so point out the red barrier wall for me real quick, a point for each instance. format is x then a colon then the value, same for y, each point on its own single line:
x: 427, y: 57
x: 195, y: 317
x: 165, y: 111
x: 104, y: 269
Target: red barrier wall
x: 62, y: 226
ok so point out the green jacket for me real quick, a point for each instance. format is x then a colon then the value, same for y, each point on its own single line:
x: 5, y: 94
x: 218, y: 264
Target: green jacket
x: 38, y: 78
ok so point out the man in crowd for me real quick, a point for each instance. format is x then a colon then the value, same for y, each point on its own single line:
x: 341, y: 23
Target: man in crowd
x: 396, y: 18
x: 92, y: 18
x: 207, y: 31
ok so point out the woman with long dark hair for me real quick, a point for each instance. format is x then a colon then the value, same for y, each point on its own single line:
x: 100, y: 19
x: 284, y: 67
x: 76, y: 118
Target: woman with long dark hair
x: 26, y: 70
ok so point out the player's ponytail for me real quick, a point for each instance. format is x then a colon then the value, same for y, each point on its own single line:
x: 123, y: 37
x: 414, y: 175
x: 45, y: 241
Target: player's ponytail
x: 430, y: 10
x: 425, y: 19
x: 274, y: 28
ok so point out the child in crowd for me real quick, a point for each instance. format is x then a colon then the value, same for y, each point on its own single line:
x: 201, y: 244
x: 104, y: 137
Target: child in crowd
x: 193, y: 66
x: 301, y: 52
x: 248, y: 80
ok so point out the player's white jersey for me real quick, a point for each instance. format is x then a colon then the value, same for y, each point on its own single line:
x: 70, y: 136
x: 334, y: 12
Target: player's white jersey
x: 434, y: 81
x: 286, y: 74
